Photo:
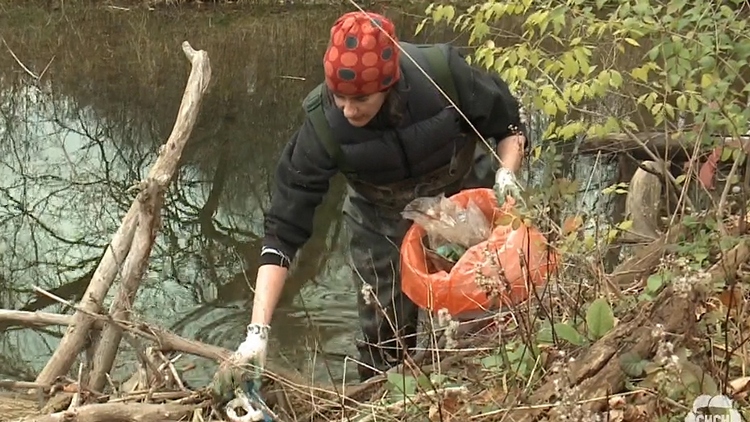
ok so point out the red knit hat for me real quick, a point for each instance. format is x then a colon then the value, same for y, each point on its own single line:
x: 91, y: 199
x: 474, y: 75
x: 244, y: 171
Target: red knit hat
x: 361, y: 58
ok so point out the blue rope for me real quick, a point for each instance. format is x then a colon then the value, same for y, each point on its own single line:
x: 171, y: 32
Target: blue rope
x: 252, y: 389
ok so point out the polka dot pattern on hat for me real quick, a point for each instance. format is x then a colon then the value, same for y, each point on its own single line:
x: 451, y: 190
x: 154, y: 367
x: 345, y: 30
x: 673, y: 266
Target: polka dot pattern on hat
x: 362, y: 57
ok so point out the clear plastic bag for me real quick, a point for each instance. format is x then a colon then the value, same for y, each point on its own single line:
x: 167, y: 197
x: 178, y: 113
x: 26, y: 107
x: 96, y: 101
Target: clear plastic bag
x: 447, y: 224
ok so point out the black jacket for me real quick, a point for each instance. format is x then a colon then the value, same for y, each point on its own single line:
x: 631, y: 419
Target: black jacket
x: 378, y: 152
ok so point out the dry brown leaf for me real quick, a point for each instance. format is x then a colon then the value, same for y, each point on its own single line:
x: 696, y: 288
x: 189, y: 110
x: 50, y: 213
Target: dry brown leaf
x: 739, y: 384
x: 616, y: 415
x: 616, y: 402
x: 639, y: 413
x: 571, y: 224
x: 434, y: 413
x: 732, y: 297
x: 70, y: 388
x: 702, y: 309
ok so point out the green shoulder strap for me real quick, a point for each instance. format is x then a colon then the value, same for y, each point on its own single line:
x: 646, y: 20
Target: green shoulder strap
x: 439, y: 65
x: 313, y: 102
x: 313, y: 105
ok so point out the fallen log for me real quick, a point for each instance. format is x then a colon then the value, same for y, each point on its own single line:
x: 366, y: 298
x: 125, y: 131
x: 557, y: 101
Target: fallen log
x: 167, y: 340
x: 119, y: 412
x: 13, y: 384
x: 139, y: 224
x: 645, y: 260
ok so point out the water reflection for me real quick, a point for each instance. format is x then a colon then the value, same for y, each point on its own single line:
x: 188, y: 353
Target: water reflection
x: 71, y: 146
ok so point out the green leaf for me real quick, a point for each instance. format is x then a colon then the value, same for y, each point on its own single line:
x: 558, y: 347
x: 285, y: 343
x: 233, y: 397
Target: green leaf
x: 570, y: 334
x: 449, y: 12
x: 726, y: 154
x: 615, y: 79
x: 492, y: 361
x: 402, y: 384
x: 438, y: 379
x: 576, y: 94
x: 420, y: 26
x: 654, y: 283
x: 700, y: 256
x: 544, y: 334
x: 625, y: 225
x: 550, y: 108
x: 682, y: 102
x: 673, y: 79
x: 583, y: 59
x: 693, y: 104
x: 424, y: 382
x: 570, y: 67
x: 640, y: 73
x: 632, y: 364
x: 599, y: 318
x: 707, y: 62
x: 696, y: 379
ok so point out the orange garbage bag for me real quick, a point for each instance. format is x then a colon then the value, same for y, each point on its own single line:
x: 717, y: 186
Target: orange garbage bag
x: 488, y: 274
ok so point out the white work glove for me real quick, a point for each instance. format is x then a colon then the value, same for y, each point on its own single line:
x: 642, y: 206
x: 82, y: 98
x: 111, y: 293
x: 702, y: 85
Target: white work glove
x: 245, y: 364
x: 506, y: 185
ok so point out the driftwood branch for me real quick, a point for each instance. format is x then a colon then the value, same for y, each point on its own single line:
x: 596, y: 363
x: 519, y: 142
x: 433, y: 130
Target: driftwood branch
x: 165, y: 340
x: 135, y: 265
x: 119, y: 412
x: 138, y: 224
x: 34, y: 319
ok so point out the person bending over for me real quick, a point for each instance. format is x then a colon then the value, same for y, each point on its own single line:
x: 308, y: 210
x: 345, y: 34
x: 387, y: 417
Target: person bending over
x: 395, y: 137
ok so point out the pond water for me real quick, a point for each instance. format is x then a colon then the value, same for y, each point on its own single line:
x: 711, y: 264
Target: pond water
x: 72, y: 144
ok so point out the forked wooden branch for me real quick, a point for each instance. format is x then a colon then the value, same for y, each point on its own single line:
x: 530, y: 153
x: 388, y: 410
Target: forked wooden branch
x: 132, y: 275
x: 160, y: 175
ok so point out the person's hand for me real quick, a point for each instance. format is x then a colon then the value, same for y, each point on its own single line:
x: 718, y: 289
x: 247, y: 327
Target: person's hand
x: 245, y: 364
x: 507, y: 189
